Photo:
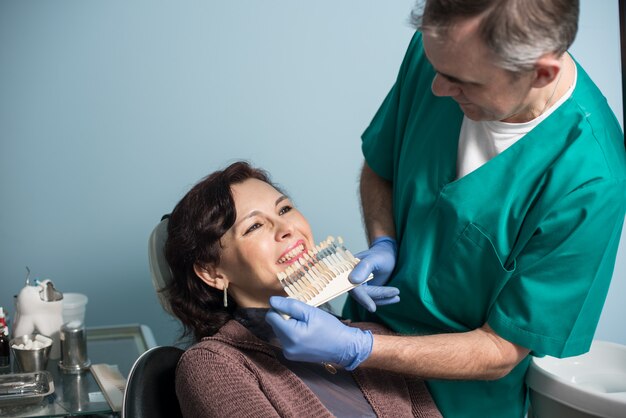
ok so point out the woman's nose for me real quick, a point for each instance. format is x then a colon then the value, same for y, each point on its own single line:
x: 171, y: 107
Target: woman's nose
x: 283, y: 229
x: 443, y: 87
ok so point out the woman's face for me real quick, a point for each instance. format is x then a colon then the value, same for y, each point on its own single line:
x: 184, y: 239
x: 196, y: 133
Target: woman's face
x: 268, y: 235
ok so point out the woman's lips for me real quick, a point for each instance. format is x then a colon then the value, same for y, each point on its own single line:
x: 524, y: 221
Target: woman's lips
x: 292, y: 254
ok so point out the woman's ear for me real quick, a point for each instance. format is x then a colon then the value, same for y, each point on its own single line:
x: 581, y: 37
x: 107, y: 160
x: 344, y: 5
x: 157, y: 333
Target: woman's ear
x: 211, y: 276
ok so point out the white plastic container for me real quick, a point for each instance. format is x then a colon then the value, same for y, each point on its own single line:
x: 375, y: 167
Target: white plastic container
x: 74, y: 307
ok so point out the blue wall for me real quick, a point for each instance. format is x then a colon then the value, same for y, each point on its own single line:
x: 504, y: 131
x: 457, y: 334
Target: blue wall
x: 111, y: 110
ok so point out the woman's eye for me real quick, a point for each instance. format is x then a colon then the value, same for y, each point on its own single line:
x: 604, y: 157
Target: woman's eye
x: 252, y: 228
x: 284, y: 210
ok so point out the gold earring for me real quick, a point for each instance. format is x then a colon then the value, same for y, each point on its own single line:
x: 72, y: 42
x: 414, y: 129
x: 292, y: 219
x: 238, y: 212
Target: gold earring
x: 226, y: 294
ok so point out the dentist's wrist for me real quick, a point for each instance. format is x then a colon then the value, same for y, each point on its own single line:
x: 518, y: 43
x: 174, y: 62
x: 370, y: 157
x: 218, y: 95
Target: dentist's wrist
x: 387, y: 239
x: 361, y: 349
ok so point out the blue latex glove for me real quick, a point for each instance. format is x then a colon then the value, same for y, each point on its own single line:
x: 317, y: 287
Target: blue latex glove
x: 380, y: 260
x: 372, y: 296
x: 312, y: 335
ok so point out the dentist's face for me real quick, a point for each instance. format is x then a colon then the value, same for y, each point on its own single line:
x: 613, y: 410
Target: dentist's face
x: 466, y: 72
x: 269, y: 234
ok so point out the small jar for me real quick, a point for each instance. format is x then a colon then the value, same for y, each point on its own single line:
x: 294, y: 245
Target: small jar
x: 74, y: 348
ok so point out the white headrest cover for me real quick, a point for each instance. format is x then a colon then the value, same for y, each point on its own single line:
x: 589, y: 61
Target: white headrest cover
x: 159, y: 269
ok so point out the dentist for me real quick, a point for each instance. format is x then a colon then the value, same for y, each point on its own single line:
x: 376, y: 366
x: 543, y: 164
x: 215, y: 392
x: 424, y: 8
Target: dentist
x: 494, y: 194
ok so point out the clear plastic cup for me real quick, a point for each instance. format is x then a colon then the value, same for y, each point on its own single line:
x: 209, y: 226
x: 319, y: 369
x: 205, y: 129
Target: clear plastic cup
x: 74, y: 306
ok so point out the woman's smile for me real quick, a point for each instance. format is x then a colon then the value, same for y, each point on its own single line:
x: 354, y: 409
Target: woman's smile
x: 292, y: 253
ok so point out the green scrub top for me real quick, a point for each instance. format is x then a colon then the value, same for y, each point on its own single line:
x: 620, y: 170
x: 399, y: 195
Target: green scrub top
x: 526, y: 243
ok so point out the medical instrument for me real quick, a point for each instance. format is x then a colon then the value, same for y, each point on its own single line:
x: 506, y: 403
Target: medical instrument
x: 321, y: 273
x: 25, y: 388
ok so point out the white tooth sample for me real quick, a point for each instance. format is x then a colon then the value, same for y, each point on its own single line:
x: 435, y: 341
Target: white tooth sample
x: 327, y: 273
x: 330, y: 266
x: 289, y: 280
x: 315, y: 268
x: 307, y: 283
x: 295, y: 280
x: 303, y: 279
x: 310, y: 277
x: 347, y: 255
x: 337, y: 263
x: 323, y: 267
x: 281, y: 277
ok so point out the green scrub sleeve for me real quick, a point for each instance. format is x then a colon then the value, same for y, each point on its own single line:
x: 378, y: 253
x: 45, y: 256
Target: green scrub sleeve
x: 378, y: 138
x: 386, y: 130
x: 553, y: 302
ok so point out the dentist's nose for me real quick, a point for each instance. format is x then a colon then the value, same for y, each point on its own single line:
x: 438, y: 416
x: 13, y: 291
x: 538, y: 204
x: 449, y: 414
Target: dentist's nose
x: 442, y: 87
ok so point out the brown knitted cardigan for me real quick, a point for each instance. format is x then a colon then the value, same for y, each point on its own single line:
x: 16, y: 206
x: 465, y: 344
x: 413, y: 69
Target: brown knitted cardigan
x: 235, y: 374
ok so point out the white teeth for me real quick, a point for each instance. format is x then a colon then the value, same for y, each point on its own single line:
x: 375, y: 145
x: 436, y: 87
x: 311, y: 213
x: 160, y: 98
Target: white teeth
x: 291, y: 254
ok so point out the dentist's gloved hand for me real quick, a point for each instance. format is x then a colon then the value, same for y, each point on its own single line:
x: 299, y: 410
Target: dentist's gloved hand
x: 380, y: 260
x: 313, y: 335
x: 372, y: 296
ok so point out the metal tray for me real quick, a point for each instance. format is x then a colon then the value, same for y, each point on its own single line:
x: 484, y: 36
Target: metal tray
x: 25, y: 388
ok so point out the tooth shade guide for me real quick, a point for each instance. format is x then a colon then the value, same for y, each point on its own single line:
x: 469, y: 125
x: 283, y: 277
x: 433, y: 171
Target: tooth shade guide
x: 321, y: 274
x: 297, y: 287
x: 282, y: 277
x: 311, y: 278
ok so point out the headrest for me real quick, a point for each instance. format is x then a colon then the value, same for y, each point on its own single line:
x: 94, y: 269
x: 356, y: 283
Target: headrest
x: 159, y: 269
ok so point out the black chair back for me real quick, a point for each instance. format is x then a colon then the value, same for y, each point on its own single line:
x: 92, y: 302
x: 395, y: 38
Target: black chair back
x: 150, y: 388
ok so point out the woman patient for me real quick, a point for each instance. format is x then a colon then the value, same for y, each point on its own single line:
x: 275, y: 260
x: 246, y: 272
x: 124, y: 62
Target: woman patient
x: 227, y: 240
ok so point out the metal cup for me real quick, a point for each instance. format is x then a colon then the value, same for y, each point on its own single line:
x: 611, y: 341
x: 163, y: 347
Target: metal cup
x: 30, y: 359
x: 73, y: 348
x: 76, y: 391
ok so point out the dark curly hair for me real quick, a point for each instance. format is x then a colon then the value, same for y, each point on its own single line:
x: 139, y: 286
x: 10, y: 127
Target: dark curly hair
x: 194, y: 230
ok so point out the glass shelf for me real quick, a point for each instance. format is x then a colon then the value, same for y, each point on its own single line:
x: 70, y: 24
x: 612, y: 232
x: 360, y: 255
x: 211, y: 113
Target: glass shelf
x: 79, y: 394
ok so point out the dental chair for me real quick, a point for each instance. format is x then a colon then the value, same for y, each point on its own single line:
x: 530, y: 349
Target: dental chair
x: 150, y: 388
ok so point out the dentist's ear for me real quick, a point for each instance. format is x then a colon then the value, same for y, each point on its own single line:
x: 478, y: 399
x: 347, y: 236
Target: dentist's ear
x: 547, y: 69
x: 211, y: 276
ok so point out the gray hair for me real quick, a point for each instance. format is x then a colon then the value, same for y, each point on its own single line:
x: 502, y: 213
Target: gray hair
x: 518, y: 32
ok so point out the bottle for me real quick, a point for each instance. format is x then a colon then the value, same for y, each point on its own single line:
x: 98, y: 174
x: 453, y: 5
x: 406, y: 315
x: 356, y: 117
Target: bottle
x: 3, y: 318
x: 5, y: 350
